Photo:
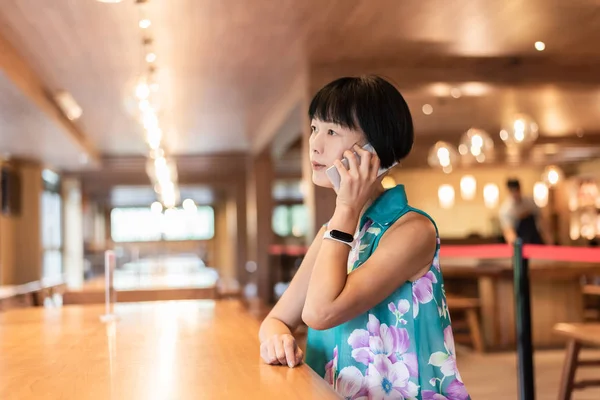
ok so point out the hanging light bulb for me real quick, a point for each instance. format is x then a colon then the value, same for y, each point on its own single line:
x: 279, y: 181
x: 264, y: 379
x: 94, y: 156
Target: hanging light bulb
x: 552, y: 175
x: 145, y: 23
x: 446, y: 196
x: 520, y: 132
x: 150, y: 57
x: 443, y: 155
x: 490, y: 195
x: 476, y: 145
x: 468, y: 187
x: 154, y: 137
x: 540, y: 194
x: 142, y: 90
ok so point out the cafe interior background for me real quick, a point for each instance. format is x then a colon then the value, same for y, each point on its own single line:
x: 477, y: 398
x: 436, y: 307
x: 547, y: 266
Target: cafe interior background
x: 174, y: 135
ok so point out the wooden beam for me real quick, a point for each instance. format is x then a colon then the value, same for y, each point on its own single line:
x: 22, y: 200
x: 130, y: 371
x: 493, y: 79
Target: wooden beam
x: 20, y: 73
x: 509, y: 71
x: 453, y: 137
x: 221, y: 171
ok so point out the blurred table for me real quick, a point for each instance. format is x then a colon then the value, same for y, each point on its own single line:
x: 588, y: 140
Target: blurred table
x: 167, y: 350
x: 556, y: 296
x: 153, y: 285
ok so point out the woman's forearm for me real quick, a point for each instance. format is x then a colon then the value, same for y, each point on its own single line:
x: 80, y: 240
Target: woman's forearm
x: 330, y: 270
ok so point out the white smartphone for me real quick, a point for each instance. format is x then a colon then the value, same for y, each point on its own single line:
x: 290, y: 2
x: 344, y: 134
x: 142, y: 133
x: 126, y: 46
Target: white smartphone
x: 334, y: 175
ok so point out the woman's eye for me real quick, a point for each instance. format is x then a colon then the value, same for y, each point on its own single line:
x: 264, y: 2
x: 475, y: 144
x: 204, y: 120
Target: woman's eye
x: 331, y: 132
x: 312, y: 129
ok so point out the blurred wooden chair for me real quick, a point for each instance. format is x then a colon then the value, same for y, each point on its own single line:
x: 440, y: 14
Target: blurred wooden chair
x: 577, y: 335
x: 591, y: 292
x: 470, y: 308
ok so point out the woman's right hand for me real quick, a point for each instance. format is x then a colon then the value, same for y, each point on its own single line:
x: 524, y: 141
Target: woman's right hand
x: 281, y: 350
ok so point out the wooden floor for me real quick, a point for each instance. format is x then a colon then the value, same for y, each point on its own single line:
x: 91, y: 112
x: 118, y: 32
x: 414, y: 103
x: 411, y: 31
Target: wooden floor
x: 493, y: 376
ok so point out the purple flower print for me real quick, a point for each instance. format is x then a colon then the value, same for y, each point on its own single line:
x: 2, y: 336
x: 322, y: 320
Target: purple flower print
x: 350, y: 384
x: 403, y: 307
x: 446, y: 361
x: 436, y: 262
x: 331, y: 368
x: 380, y: 339
x: 423, y: 291
x: 431, y: 395
x: 389, y: 381
x: 455, y: 391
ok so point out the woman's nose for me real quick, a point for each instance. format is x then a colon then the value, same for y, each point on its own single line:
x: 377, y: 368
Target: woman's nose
x: 316, y: 143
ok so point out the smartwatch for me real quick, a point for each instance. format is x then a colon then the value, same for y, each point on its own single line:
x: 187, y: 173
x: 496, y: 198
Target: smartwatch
x: 339, y: 236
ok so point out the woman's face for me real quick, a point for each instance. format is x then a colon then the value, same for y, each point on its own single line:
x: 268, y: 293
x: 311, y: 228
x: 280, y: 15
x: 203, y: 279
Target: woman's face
x: 328, y: 141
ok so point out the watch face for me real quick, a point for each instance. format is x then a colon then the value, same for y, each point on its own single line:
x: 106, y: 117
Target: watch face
x: 343, y: 236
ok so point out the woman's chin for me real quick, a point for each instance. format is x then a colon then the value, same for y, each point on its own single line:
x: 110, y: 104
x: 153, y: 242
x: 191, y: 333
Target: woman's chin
x: 321, y: 180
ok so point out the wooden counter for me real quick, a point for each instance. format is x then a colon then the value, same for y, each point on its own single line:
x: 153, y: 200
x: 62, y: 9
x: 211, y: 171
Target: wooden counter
x: 166, y: 350
x: 29, y: 294
x: 556, y: 296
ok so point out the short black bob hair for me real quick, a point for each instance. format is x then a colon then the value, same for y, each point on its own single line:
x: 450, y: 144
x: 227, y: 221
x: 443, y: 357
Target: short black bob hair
x: 513, y: 183
x: 372, y: 104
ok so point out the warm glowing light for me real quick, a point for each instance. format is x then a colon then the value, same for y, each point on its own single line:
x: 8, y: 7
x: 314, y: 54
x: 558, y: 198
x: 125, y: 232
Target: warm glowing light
x: 446, y: 196
x: 189, y: 205
x: 149, y: 120
x: 540, y: 46
x: 475, y: 144
x: 490, y: 195
x: 468, y: 187
x: 150, y: 57
x: 427, y: 109
x: 145, y: 23
x: 552, y: 175
x: 520, y: 131
x: 142, y: 91
x: 154, y: 137
x: 156, y: 207
x: 456, y: 93
x: 540, y: 194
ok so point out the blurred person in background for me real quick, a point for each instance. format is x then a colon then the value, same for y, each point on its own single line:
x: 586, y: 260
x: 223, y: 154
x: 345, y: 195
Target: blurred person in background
x: 520, y: 218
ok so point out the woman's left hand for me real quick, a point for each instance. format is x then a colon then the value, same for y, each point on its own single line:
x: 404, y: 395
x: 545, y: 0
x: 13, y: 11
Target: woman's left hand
x: 359, y: 181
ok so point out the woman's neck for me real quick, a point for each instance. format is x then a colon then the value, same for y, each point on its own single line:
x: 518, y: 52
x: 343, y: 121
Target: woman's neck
x: 374, y: 197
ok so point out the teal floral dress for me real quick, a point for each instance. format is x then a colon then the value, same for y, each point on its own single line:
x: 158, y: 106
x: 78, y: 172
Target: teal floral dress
x: 403, y: 348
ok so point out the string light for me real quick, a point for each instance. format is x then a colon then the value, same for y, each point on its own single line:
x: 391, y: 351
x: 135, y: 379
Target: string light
x: 150, y: 57
x: 161, y: 170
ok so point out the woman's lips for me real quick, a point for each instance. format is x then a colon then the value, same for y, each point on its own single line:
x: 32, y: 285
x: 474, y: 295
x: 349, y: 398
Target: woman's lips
x: 316, y: 166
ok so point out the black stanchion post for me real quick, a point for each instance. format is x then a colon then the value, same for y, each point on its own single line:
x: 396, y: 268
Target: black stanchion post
x: 523, y: 323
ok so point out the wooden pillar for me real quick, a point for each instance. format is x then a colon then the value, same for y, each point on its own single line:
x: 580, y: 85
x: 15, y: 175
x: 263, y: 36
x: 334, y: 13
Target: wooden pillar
x: 237, y: 227
x: 20, y: 233
x: 259, y: 208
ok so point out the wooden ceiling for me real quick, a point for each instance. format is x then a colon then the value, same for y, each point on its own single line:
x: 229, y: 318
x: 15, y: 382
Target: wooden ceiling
x: 231, y: 71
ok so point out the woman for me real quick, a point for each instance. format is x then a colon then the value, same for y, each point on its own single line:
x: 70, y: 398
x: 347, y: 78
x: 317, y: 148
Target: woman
x: 378, y: 323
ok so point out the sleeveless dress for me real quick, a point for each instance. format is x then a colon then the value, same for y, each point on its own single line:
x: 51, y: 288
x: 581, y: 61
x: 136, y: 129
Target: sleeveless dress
x: 402, y: 348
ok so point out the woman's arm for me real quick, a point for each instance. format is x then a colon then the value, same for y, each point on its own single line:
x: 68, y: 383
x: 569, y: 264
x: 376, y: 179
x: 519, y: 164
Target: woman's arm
x: 275, y: 334
x: 405, y: 252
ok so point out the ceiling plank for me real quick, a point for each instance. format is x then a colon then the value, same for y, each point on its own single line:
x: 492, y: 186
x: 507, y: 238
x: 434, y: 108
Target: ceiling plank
x: 508, y: 71
x: 23, y: 77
